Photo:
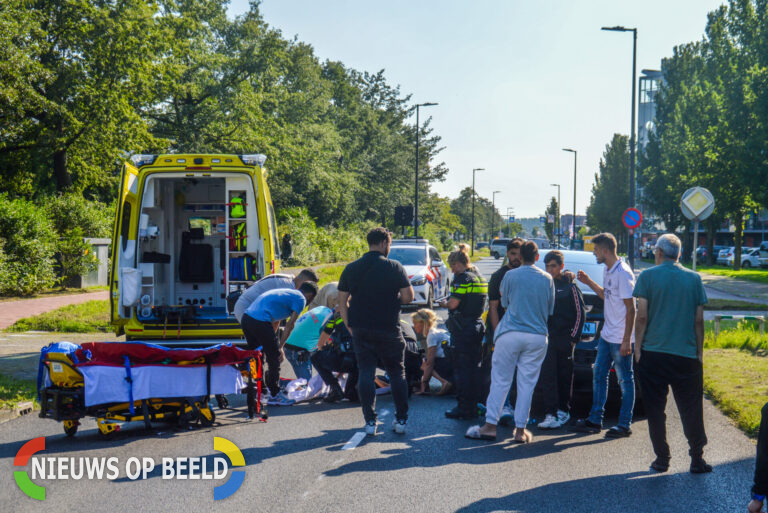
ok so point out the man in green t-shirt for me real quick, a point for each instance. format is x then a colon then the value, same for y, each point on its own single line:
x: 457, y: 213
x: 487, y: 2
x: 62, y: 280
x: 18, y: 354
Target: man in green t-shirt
x: 669, y: 339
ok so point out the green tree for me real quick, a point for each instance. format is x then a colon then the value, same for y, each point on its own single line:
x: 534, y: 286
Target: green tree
x: 551, y: 210
x: 610, y: 192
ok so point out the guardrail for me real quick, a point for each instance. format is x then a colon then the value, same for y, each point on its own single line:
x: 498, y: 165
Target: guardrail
x: 760, y: 318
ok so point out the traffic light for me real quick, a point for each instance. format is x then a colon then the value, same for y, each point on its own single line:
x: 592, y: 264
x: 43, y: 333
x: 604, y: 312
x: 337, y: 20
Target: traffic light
x: 404, y: 215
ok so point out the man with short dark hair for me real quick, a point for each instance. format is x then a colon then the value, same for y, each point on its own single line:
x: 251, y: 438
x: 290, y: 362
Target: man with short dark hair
x: 669, y: 349
x: 495, y: 314
x: 521, y: 343
x: 564, y: 331
x: 259, y: 323
x: 615, y: 343
x: 271, y: 282
x: 371, y: 291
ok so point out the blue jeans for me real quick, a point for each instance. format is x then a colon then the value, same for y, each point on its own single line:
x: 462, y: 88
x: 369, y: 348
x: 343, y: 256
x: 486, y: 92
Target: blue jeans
x: 301, y: 369
x: 608, y: 354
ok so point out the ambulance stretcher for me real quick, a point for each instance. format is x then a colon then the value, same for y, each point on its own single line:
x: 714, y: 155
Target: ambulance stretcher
x: 118, y: 382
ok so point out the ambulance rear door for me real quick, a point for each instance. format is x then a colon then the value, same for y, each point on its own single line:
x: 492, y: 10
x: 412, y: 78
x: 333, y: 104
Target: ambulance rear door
x: 124, y: 275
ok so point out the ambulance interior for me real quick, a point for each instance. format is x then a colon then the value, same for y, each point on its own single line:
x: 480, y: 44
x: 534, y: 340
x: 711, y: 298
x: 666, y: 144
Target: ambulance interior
x: 186, y: 250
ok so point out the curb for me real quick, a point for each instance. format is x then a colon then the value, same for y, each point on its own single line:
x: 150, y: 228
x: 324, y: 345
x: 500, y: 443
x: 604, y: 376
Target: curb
x: 24, y: 408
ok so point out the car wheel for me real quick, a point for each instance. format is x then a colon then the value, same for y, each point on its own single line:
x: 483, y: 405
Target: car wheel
x: 496, y: 255
x: 746, y: 264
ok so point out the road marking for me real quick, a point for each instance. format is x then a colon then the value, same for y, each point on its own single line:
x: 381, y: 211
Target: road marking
x: 354, y: 441
x: 438, y: 435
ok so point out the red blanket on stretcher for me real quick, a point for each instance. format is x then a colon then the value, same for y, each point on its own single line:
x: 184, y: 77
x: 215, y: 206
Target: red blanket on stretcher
x: 113, y: 353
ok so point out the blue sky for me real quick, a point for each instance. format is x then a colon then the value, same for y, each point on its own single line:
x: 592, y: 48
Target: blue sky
x: 516, y: 80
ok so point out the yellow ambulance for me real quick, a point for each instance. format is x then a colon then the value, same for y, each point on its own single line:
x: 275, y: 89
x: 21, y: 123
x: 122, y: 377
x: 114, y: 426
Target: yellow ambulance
x: 189, y: 231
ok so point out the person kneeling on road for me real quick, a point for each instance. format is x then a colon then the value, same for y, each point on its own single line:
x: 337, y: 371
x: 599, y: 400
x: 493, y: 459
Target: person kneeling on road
x: 564, y: 326
x: 259, y: 323
x: 465, y: 323
x: 436, y: 362
x: 303, y: 340
x: 336, y: 354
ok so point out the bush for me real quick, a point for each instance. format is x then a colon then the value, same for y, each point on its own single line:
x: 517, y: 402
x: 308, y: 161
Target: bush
x: 76, y: 257
x: 314, y: 245
x: 70, y: 211
x: 29, y: 243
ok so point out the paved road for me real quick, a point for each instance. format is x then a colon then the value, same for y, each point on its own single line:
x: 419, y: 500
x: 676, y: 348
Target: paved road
x: 296, y: 462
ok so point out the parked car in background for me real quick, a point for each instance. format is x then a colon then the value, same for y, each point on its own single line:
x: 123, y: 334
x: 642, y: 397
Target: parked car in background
x: 499, y: 247
x: 646, y: 250
x: 764, y: 253
x: 481, y: 245
x: 428, y: 274
x: 750, y: 257
x: 701, y: 252
x: 725, y: 257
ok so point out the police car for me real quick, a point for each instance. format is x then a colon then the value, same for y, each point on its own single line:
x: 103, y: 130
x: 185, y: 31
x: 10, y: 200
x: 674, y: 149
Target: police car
x: 428, y: 274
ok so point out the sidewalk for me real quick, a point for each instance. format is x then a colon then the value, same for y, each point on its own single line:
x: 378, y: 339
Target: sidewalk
x: 12, y: 311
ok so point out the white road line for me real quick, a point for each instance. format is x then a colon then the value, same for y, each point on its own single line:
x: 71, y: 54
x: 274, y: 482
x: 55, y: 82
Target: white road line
x: 354, y: 441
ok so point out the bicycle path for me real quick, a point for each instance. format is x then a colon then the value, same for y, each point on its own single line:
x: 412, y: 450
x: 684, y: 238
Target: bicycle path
x: 12, y: 311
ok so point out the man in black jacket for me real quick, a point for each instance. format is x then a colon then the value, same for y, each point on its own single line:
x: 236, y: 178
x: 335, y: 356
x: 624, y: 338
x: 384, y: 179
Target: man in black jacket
x: 760, y: 488
x: 564, y: 326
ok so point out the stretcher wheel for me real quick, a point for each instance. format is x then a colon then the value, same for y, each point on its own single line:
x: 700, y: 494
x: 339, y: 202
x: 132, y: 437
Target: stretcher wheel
x: 204, y: 420
x: 222, y: 401
x: 70, y: 427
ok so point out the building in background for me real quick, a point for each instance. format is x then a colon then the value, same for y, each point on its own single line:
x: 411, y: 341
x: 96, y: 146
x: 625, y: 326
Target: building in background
x: 650, y: 80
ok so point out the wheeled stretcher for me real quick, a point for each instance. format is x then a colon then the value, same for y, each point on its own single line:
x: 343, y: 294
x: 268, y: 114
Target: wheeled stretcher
x: 118, y: 382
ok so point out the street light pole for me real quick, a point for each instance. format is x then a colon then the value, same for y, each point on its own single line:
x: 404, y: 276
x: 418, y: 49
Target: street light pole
x: 493, y: 213
x: 416, y: 186
x: 573, y: 221
x: 632, y: 138
x: 472, y: 240
x: 559, y: 228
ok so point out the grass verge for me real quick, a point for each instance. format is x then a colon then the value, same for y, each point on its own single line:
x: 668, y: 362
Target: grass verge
x: 735, y: 380
x: 14, y: 391
x: 329, y: 273
x: 728, y: 304
x: 88, y: 317
x: 53, y: 293
x: 743, y: 335
x: 756, y: 275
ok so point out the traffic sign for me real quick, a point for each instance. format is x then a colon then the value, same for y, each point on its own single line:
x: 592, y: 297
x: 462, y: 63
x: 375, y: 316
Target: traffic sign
x: 543, y: 220
x: 632, y: 218
x: 697, y: 203
x: 511, y: 219
x: 551, y: 218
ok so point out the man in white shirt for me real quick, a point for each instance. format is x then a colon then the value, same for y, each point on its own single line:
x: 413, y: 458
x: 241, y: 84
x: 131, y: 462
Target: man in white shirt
x: 271, y: 282
x: 616, y: 338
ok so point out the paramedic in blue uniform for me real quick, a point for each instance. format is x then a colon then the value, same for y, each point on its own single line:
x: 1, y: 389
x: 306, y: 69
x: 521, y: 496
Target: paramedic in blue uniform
x: 259, y: 326
x: 271, y: 282
x: 371, y: 291
x: 466, y: 303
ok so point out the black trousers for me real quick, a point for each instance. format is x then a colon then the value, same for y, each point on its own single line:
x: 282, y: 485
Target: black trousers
x: 387, y: 348
x: 467, y: 345
x: 328, y: 361
x: 761, y: 462
x: 261, y: 333
x: 657, y: 372
x: 556, y: 377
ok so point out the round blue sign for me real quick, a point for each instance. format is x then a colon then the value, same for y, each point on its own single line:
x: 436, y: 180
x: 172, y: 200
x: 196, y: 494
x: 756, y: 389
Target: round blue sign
x: 632, y: 218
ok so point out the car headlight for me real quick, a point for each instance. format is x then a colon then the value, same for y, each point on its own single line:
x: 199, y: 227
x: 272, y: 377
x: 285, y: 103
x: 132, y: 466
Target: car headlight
x: 419, y: 281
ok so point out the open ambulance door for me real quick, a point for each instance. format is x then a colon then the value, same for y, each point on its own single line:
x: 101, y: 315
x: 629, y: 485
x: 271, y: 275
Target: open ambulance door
x: 125, y: 279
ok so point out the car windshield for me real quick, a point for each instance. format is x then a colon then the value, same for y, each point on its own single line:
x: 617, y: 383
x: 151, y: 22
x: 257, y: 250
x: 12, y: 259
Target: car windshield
x: 409, y: 256
x: 576, y: 261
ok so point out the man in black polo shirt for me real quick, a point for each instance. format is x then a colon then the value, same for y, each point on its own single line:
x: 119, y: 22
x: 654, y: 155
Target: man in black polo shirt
x: 371, y: 290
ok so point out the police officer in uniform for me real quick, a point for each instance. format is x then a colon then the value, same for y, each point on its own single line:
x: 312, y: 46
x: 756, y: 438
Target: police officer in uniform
x: 466, y: 304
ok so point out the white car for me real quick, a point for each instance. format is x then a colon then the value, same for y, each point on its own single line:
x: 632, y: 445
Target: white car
x: 750, y: 257
x: 429, y: 275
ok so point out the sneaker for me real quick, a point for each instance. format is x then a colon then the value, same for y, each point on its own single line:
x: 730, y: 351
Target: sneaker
x: 279, y: 400
x: 370, y: 428
x: 507, y: 415
x: 618, y: 432
x: 550, y: 422
x: 699, y: 466
x: 585, y: 426
x: 456, y: 413
x: 334, y: 396
x: 563, y: 417
x: 398, y: 426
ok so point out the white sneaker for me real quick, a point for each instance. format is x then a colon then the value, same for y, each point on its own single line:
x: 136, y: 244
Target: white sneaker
x: 563, y: 417
x: 550, y: 422
x: 507, y: 415
x: 398, y: 426
x: 279, y: 400
x: 370, y: 428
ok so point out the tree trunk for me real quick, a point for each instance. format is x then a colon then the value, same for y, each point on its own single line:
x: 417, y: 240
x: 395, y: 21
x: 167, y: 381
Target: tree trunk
x: 711, y: 231
x: 60, y: 173
x: 738, y: 222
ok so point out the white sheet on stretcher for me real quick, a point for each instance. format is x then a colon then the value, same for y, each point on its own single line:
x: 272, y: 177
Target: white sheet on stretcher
x: 107, y: 384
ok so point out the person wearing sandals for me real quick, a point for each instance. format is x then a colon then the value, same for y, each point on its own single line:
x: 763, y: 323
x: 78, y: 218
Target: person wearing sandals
x: 528, y: 294
x: 436, y: 363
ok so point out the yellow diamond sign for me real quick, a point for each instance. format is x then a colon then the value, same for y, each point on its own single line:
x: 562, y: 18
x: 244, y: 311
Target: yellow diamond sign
x: 697, y: 203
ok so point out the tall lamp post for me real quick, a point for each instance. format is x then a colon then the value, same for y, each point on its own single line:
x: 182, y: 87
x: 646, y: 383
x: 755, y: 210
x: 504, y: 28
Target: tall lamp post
x: 416, y: 186
x: 472, y: 240
x: 573, y: 222
x: 558, y: 210
x: 631, y: 238
x: 493, y: 213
